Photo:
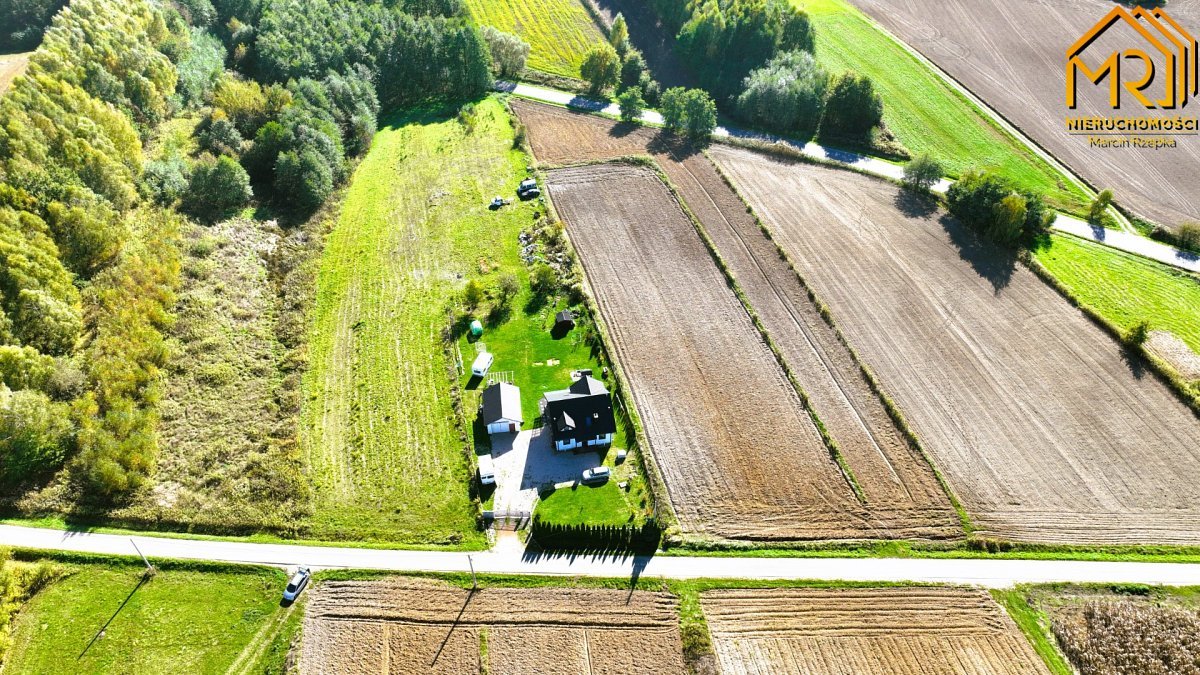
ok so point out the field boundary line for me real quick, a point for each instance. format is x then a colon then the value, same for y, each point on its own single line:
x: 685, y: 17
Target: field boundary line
x: 889, y: 405
x: 998, y: 120
x: 826, y: 439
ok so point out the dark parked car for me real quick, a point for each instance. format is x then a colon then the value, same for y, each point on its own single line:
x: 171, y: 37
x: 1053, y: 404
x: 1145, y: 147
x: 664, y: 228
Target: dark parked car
x: 528, y: 189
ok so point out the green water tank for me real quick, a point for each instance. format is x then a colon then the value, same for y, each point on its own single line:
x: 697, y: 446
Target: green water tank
x: 476, y: 328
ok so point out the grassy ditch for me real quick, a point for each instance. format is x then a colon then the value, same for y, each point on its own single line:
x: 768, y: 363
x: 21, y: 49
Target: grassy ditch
x: 1034, y: 625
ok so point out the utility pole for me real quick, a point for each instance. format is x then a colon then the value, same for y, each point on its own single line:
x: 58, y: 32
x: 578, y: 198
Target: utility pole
x: 149, y: 567
x: 474, y: 582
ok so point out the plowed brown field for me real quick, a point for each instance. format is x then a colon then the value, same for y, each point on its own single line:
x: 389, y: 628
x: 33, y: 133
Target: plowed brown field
x: 1011, y: 55
x: 863, y: 631
x: 1042, y: 427
x: 903, y: 497
x: 420, y: 626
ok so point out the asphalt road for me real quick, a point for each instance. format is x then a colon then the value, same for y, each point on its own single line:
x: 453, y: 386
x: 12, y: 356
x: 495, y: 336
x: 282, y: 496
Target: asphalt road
x: 509, y: 558
x: 1125, y: 241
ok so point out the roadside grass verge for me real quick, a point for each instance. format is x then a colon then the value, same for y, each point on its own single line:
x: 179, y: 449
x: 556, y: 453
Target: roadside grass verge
x: 559, y: 32
x: 924, y: 112
x: 179, y: 620
x: 1035, y: 626
x: 380, y: 428
x: 1124, y: 288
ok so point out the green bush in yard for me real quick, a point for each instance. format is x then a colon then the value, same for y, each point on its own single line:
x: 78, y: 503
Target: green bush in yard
x: 853, y: 107
x: 923, y: 172
x: 689, y: 111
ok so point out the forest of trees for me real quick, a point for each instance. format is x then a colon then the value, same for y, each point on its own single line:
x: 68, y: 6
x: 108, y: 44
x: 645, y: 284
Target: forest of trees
x: 285, y: 94
x: 756, y: 58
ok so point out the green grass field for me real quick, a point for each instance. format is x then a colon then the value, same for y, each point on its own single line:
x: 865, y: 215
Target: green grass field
x: 177, y: 622
x: 559, y: 32
x: 1126, y: 289
x: 378, y: 430
x: 586, y: 505
x: 923, y: 111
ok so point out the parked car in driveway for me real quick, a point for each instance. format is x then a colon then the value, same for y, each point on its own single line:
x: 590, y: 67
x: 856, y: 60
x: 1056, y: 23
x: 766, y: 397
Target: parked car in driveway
x: 597, y: 474
x: 296, y: 584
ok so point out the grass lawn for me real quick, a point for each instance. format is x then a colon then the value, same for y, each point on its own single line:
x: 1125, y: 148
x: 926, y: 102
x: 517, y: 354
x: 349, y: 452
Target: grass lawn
x: 1126, y: 289
x: 559, y: 32
x: 586, y: 505
x: 925, y: 113
x: 178, y: 622
x: 377, y: 426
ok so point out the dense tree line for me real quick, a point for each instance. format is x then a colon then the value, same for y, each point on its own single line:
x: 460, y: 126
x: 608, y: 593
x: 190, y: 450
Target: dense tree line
x: 756, y: 58
x: 22, y: 23
x: 724, y: 40
x: 286, y: 93
x: 83, y: 299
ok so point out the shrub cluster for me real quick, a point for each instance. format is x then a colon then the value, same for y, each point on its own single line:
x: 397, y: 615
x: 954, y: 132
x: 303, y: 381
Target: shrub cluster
x: 990, y: 205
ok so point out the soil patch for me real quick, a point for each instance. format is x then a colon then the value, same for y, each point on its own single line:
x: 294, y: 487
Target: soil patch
x: 419, y: 626
x: 901, y: 490
x: 1045, y: 428
x: 882, y: 630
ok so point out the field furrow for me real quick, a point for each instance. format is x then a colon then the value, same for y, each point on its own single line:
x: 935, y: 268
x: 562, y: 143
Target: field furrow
x: 1042, y: 426
x: 865, y: 630
x: 902, y: 494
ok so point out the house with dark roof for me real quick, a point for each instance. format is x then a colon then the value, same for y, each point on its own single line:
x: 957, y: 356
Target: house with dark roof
x: 580, y: 417
x: 500, y: 408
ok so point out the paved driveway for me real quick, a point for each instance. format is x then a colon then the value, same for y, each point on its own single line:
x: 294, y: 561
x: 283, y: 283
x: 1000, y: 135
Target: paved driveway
x: 526, y: 461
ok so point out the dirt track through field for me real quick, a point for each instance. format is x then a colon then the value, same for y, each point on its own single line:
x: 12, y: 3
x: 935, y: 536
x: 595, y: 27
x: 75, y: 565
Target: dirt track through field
x: 901, y: 491
x: 421, y: 626
x: 1042, y: 427
x: 868, y: 630
x: 1011, y: 55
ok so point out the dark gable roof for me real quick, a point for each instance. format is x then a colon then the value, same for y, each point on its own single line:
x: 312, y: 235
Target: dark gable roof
x: 582, y: 411
x: 501, y: 401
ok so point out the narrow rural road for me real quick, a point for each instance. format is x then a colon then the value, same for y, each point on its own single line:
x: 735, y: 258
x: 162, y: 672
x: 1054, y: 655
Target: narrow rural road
x: 1124, y: 241
x: 511, y: 559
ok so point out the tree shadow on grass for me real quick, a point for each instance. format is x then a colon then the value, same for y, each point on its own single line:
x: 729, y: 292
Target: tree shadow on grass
x: 991, y: 261
x: 100, y: 633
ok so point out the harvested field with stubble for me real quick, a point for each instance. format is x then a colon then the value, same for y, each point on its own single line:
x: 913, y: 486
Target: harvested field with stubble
x: 901, y: 491
x: 865, y: 630
x: 1046, y: 431
x: 1011, y: 55
x: 739, y: 454
x: 421, y: 626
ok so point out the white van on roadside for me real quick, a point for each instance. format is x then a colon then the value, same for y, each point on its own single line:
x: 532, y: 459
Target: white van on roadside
x: 487, y: 473
x: 483, y: 363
